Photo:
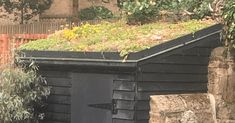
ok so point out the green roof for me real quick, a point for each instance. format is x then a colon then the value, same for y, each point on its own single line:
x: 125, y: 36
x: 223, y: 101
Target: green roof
x: 115, y: 37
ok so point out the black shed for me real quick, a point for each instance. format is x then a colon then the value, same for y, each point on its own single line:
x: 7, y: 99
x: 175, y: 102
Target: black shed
x: 103, y: 88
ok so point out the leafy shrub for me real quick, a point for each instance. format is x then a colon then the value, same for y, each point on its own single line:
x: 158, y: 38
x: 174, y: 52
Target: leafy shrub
x: 199, y: 9
x: 147, y: 10
x: 95, y: 12
x: 21, y: 95
x: 193, y: 8
x: 229, y: 23
x: 119, y: 3
x: 140, y: 11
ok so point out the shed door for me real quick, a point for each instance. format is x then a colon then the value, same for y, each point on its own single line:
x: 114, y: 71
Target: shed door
x: 91, y: 98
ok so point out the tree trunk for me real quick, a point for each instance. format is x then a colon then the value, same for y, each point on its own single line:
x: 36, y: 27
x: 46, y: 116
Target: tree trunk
x: 75, y: 7
x: 22, y: 16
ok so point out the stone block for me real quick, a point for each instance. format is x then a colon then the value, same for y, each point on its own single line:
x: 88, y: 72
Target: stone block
x: 182, y: 108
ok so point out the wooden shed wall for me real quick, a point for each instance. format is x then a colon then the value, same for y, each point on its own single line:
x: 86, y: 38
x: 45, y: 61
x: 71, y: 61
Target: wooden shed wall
x: 59, y: 102
x: 183, y: 71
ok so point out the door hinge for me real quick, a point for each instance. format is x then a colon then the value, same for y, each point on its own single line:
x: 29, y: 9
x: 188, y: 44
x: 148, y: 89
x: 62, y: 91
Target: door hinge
x: 106, y: 106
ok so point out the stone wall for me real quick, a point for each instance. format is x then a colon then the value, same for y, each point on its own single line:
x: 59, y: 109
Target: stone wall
x: 221, y: 84
x: 217, y: 106
x: 184, y: 108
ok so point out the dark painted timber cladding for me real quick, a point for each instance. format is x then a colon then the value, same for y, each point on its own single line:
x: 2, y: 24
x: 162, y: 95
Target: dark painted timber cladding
x: 182, y: 71
x: 124, y: 88
x: 58, y: 108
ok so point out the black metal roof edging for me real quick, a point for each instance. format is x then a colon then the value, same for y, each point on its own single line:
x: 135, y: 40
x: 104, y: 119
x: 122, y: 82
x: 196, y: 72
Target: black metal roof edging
x: 112, y: 59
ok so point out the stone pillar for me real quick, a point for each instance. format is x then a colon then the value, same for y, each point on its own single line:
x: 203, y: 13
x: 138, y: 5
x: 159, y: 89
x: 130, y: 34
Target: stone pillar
x: 181, y: 108
x: 229, y: 93
x: 221, y: 84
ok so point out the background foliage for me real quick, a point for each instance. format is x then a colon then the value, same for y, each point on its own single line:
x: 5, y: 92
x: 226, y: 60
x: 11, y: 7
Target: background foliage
x: 34, y: 6
x: 142, y: 11
x: 148, y: 10
x: 21, y: 95
x: 229, y: 23
x: 195, y: 9
x: 95, y: 12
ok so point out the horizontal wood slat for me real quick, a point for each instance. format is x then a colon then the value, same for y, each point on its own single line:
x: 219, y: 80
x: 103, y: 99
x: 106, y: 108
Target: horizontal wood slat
x: 123, y: 104
x: 124, y: 85
x: 161, y: 77
x: 142, y: 105
x: 122, y: 121
x: 145, y: 96
x: 59, y: 82
x: 122, y: 95
x: 51, y: 121
x: 124, y: 114
x: 174, y: 68
x: 180, y: 59
x: 171, y: 86
x: 59, y: 99
x: 61, y: 91
x: 58, y: 108
x: 142, y: 115
x: 55, y: 74
x: 197, y: 51
x: 61, y: 117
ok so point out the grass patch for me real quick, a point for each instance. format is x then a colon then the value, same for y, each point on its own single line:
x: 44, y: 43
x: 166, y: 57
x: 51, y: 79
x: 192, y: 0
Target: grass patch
x: 115, y: 37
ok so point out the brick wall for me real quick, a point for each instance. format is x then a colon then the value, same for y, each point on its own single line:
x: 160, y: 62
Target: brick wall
x: 9, y: 43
